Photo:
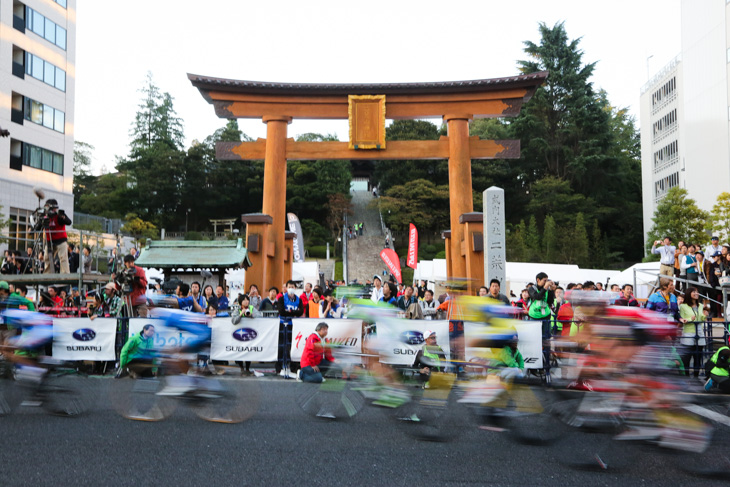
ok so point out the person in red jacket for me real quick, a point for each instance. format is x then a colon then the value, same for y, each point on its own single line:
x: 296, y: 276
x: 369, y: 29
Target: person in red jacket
x: 317, y: 358
x: 56, y: 238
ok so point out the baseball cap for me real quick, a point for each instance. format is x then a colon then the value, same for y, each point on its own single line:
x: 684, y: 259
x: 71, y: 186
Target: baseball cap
x: 377, y: 277
x: 715, y: 237
x: 717, y: 253
x: 110, y: 285
x: 428, y: 334
x: 5, y: 285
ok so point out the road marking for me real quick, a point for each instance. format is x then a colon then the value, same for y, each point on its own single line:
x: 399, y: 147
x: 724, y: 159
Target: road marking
x: 704, y: 412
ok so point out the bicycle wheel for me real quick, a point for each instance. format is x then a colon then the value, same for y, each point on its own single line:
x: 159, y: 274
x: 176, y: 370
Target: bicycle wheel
x: 529, y: 415
x: 10, y: 396
x: 332, y: 399
x: 137, y: 399
x: 714, y: 461
x: 430, y: 414
x: 64, y: 395
x: 226, y: 400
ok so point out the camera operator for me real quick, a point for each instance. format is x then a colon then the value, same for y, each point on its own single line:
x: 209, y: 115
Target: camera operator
x: 56, y: 237
x: 134, y: 283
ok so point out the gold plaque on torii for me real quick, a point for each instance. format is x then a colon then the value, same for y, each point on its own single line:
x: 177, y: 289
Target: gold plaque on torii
x: 366, y: 114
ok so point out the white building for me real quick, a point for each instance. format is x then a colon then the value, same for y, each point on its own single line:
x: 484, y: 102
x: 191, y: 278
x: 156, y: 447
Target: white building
x: 37, y: 71
x: 685, y: 113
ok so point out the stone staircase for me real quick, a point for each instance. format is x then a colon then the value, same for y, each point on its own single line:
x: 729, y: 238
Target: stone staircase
x: 327, y: 267
x: 363, y: 252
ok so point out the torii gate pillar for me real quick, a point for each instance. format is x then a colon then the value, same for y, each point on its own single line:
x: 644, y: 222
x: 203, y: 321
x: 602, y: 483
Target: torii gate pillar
x: 274, y: 203
x: 460, y: 197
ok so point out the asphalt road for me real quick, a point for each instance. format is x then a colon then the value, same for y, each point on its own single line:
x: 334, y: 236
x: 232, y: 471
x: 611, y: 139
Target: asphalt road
x: 281, y: 445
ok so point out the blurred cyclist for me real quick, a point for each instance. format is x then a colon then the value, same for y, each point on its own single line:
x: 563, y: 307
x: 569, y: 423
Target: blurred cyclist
x: 30, y: 333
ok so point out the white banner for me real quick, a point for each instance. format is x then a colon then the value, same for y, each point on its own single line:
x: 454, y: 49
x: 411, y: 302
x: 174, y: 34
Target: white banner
x: 530, y: 341
x: 254, y: 340
x: 165, y: 337
x: 400, y: 340
x: 84, y: 339
x: 345, y: 333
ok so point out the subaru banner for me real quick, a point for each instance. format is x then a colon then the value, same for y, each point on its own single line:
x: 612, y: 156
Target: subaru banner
x: 254, y: 340
x: 84, y: 339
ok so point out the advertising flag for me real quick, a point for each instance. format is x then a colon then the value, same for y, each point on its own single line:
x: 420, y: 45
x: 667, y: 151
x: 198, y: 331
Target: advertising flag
x: 391, y: 260
x: 412, y: 261
x: 298, y: 244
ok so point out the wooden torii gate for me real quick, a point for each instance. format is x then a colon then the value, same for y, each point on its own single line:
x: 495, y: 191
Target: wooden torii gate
x: 276, y: 104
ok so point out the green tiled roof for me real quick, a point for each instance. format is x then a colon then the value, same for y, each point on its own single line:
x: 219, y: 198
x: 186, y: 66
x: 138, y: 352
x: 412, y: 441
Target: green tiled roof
x: 194, y: 253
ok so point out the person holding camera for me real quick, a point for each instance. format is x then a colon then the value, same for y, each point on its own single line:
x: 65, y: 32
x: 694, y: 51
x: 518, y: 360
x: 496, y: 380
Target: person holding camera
x: 136, y: 278
x: 56, y: 237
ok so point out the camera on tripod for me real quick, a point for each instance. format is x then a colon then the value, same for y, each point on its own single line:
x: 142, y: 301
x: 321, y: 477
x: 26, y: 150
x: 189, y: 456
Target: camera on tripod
x: 41, y: 217
x: 125, y: 279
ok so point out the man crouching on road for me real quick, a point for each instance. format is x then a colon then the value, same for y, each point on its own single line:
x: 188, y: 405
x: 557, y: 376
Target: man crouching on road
x: 316, y: 356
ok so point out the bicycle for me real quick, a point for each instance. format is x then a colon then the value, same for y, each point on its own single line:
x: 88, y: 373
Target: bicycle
x: 53, y: 385
x: 213, y: 399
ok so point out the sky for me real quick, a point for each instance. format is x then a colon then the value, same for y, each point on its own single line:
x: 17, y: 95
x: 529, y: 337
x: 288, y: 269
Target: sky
x: 338, y: 41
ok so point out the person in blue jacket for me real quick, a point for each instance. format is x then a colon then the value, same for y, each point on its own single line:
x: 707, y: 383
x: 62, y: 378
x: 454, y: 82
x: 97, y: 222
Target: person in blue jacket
x: 664, y: 300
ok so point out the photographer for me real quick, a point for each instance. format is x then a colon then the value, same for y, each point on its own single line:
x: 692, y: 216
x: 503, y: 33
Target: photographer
x: 56, y: 237
x: 133, y: 282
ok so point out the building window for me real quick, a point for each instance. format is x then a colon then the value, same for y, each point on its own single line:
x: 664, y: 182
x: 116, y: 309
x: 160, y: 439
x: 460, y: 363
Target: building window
x: 20, y: 234
x: 45, y: 28
x: 665, y: 124
x: 665, y: 184
x: 663, y: 93
x: 45, y: 71
x: 666, y: 155
x: 42, y: 159
x: 45, y: 115
x: 62, y: 3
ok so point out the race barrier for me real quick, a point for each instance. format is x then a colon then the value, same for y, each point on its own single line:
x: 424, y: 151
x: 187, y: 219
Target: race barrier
x: 402, y: 339
x: 529, y: 334
x: 84, y: 339
x: 256, y: 340
x: 252, y: 340
x: 342, y: 332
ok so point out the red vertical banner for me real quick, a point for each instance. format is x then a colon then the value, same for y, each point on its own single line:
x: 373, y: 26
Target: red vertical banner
x: 412, y: 260
x: 392, y: 261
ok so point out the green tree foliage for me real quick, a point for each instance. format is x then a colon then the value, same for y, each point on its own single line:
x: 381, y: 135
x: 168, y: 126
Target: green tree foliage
x: 678, y: 217
x: 550, y: 240
x: 532, y: 241
x: 517, y: 244
x: 156, y: 120
x: 138, y: 228
x: 156, y: 163
x: 420, y: 202
x: 572, y: 134
x: 106, y: 195
x: 720, y: 217
x: 575, y: 246
x: 394, y: 173
x: 83, y: 178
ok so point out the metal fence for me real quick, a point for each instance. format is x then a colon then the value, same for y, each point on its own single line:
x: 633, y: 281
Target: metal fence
x: 93, y: 222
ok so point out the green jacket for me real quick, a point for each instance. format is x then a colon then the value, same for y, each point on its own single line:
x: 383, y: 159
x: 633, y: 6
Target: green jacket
x: 136, y: 347
x: 721, y: 369
x: 508, y: 357
x: 17, y: 300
